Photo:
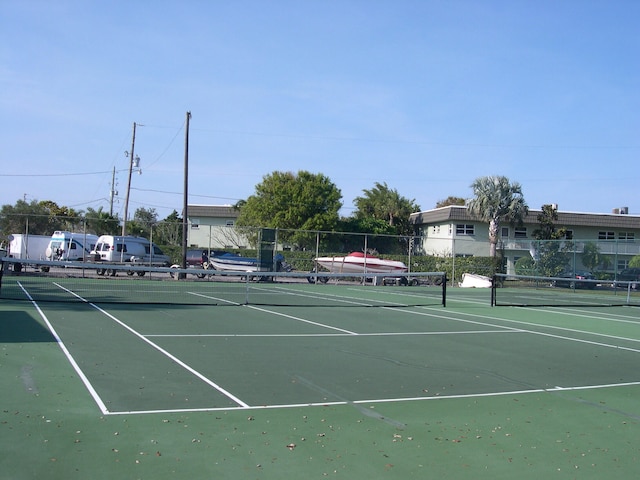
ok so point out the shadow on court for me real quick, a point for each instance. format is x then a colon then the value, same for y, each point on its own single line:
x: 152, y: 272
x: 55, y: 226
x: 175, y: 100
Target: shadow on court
x: 19, y: 327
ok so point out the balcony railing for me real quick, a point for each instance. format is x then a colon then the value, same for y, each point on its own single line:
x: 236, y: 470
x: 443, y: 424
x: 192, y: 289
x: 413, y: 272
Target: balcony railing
x: 606, y: 247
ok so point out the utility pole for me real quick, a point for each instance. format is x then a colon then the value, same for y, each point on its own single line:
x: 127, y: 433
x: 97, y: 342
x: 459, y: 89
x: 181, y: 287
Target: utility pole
x: 126, y: 202
x: 185, y: 205
x: 113, y: 192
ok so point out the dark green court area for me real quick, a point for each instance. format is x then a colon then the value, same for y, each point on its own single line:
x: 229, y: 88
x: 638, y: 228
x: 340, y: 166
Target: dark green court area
x: 388, y: 391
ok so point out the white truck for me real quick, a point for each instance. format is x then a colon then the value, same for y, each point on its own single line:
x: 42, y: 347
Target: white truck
x: 27, y: 247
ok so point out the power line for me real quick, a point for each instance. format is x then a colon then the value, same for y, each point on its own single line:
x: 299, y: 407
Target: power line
x: 55, y: 174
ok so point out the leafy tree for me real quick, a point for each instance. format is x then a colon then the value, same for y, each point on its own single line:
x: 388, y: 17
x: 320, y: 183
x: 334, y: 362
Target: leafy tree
x: 635, y: 262
x: 101, y: 222
x: 26, y: 217
x: 61, y: 217
x: 143, y: 222
x: 552, y: 255
x: 381, y: 236
x: 383, y: 203
x: 525, y: 266
x: 547, y: 229
x: 592, y: 258
x: 451, y: 200
x: 497, y: 200
x: 169, y: 231
x: 292, y: 201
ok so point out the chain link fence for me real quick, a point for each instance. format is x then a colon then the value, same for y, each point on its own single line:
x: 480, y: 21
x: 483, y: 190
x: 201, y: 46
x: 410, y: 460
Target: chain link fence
x: 455, y: 256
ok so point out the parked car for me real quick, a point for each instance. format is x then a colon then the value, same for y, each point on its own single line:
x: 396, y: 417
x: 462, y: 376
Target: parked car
x: 628, y: 276
x: 575, y: 279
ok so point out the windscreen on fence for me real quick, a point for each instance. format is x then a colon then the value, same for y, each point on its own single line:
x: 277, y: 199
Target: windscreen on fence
x: 525, y: 290
x: 47, y: 281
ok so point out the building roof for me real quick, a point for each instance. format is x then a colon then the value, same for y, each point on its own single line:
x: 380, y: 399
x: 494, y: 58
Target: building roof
x: 572, y: 219
x: 212, y: 211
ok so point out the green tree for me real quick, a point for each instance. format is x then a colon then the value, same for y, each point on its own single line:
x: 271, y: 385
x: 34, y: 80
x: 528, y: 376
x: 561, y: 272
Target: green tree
x: 384, y: 203
x: 552, y: 254
x: 61, y: 217
x: 292, y: 201
x: 592, y: 258
x: 26, y: 217
x: 635, y: 262
x: 101, y: 222
x: 169, y: 231
x: 381, y: 236
x: 497, y: 200
x: 143, y: 222
x: 451, y: 200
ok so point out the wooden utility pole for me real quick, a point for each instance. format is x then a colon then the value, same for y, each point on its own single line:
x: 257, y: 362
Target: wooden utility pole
x: 126, y: 201
x: 185, y: 203
x: 113, y: 192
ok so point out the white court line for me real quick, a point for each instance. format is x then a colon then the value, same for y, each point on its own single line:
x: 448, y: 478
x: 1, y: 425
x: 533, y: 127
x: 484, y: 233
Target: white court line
x: 383, y: 400
x: 325, y: 296
x: 214, y: 298
x: 244, y: 406
x: 310, y: 335
x: 534, y: 332
x: 303, y: 320
x: 292, y: 317
x: 72, y: 361
x: 161, y: 350
x: 607, y: 316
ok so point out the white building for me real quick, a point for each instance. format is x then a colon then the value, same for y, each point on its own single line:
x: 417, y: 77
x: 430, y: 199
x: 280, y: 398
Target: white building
x: 453, y: 231
x: 213, y: 227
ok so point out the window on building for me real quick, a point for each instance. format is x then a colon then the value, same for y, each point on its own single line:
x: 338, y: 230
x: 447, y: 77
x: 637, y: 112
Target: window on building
x: 606, y: 236
x: 195, y: 223
x: 626, y: 236
x: 504, y: 232
x: 465, y: 229
x: 568, y: 235
x: 520, y: 232
x: 622, y: 264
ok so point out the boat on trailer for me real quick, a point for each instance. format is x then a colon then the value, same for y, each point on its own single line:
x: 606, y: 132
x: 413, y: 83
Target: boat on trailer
x: 230, y: 262
x: 233, y: 263
x: 361, y: 263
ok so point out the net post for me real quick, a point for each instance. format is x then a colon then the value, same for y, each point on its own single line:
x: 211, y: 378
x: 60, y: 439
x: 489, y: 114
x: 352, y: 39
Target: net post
x: 444, y: 290
x: 494, y: 282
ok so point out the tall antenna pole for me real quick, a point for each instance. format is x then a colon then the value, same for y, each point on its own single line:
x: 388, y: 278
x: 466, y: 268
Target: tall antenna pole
x: 185, y: 205
x: 126, y: 201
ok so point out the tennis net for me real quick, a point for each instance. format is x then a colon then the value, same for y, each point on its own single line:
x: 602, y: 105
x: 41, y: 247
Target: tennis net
x: 525, y: 290
x: 49, y: 281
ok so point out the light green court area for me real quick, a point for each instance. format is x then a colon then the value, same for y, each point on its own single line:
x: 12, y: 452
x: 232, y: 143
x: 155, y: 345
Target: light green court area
x: 467, y: 391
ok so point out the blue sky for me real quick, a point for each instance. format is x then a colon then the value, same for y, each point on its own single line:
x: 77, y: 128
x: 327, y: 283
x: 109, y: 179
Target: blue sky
x: 423, y: 95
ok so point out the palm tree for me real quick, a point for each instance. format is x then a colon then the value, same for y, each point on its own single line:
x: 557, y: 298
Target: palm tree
x: 496, y: 200
x: 384, y: 203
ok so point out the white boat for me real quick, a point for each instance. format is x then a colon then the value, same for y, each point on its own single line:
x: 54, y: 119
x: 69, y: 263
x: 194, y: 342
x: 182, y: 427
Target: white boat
x: 472, y: 280
x: 358, y: 262
x: 231, y: 262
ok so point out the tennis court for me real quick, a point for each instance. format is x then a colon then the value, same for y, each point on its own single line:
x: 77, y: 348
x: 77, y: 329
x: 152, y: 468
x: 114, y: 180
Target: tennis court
x: 357, y: 380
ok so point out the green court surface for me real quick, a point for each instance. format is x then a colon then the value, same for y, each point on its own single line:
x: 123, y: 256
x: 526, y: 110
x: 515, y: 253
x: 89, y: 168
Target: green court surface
x: 112, y: 390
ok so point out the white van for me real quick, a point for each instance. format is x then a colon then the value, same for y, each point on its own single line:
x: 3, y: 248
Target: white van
x: 110, y: 248
x: 70, y: 246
